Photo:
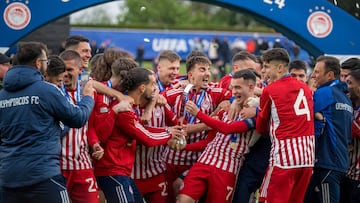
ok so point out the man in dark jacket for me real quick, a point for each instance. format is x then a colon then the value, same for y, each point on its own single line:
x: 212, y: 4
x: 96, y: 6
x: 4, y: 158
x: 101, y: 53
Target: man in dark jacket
x: 30, y: 112
x: 4, y: 66
x: 333, y: 118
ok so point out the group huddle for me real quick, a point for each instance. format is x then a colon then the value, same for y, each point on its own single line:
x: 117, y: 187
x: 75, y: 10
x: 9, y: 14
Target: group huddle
x: 131, y: 134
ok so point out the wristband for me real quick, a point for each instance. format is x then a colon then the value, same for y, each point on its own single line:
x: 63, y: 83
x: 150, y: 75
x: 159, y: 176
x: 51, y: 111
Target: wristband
x: 181, y: 176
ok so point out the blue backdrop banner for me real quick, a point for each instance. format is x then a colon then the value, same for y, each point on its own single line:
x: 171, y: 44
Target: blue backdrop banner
x: 317, y: 25
x: 181, y: 42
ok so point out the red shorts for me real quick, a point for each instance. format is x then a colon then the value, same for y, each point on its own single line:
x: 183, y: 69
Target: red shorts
x: 217, y: 184
x: 285, y: 185
x: 172, y: 173
x: 81, y: 185
x: 153, y: 189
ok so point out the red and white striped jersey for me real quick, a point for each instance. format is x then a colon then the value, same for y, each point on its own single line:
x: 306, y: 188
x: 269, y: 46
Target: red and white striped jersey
x: 212, y: 97
x: 75, y: 147
x: 354, y: 170
x: 101, y: 98
x: 287, y: 106
x: 102, y: 114
x: 225, y: 81
x: 220, y: 154
x: 120, y: 146
x: 148, y: 160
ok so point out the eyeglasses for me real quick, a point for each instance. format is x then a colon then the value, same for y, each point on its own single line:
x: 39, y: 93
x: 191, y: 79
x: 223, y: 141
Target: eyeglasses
x: 46, y: 60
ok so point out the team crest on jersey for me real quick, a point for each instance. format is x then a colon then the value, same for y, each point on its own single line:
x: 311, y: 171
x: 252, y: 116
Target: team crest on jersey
x: 157, y: 113
x: 205, y: 105
x: 17, y: 16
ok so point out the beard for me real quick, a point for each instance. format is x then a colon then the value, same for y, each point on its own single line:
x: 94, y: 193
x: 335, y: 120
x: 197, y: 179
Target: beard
x: 148, y: 97
x: 42, y: 70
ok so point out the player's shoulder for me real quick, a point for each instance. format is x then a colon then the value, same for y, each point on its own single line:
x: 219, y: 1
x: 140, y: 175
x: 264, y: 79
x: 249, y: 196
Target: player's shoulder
x: 323, y: 89
x: 215, y: 89
x: 174, y: 92
x: 226, y: 77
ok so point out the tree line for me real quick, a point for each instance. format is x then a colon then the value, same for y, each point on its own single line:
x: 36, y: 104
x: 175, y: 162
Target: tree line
x: 172, y: 14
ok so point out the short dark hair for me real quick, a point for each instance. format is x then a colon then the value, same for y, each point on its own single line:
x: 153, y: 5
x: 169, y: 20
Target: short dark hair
x: 276, y: 54
x: 73, y: 41
x: 298, y: 65
x: 133, y: 78
x: 355, y: 74
x: 195, y: 53
x: 192, y: 61
x: 255, y: 73
x: 246, y: 74
x: 331, y: 64
x: 56, y: 66
x: 243, y: 55
x: 351, y: 63
x: 69, y: 55
x: 259, y: 60
x: 28, y: 52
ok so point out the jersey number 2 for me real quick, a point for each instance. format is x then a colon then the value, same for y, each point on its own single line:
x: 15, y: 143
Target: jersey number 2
x: 301, y: 99
x: 163, y: 187
x: 92, y: 185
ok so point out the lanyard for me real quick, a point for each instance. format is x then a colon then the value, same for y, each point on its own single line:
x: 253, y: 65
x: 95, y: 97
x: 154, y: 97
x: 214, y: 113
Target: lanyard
x: 109, y: 83
x: 137, y: 111
x: 77, y: 94
x: 234, y: 137
x: 160, y: 85
x: 198, y: 104
x: 263, y: 84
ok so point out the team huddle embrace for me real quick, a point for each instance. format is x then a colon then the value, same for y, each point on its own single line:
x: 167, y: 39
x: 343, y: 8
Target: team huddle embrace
x: 130, y: 134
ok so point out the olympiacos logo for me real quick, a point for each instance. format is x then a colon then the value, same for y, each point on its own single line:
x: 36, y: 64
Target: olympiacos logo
x: 319, y: 24
x: 17, y: 16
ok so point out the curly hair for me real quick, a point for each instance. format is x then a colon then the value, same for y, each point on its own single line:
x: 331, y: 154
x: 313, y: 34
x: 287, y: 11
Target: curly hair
x: 133, y: 78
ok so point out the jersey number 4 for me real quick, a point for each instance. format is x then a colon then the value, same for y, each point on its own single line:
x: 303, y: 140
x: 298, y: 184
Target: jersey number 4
x: 304, y: 108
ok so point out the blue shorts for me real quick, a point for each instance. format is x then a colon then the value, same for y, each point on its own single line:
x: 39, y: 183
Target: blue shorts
x: 51, y: 190
x: 253, y: 170
x: 119, y: 189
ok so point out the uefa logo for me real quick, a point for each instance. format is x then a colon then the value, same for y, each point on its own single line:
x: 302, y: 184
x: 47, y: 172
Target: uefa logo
x: 17, y: 16
x: 319, y: 24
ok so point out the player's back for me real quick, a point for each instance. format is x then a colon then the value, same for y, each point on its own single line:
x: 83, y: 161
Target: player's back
x: 291, y: 108
x: 288, y: 105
